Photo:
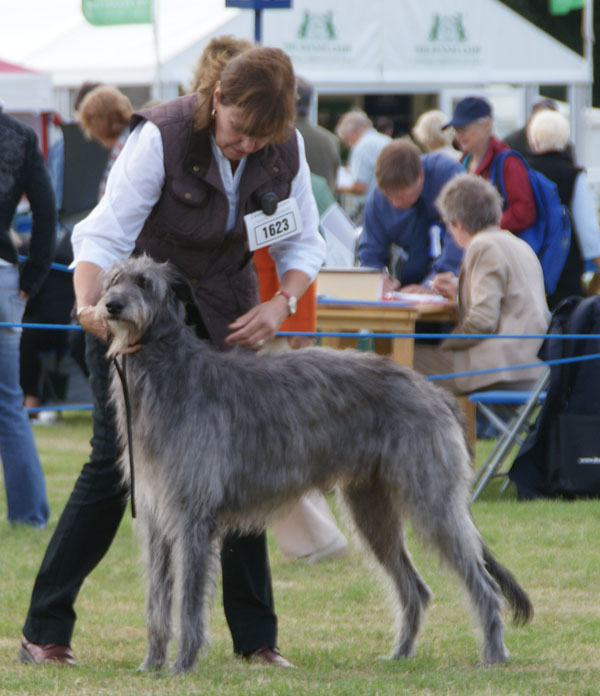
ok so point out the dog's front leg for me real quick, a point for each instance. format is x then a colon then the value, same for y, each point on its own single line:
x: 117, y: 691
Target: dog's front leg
x: 194, y: 562
x: 158, y: 596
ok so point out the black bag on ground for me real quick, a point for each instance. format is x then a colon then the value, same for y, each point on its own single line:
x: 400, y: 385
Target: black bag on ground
x: 574, y: 456
x: 561, y: 455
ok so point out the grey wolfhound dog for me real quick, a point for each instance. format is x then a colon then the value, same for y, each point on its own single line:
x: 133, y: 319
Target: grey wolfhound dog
x: 222, y: 440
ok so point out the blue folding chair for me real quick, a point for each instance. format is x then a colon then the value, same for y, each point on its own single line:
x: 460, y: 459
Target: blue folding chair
x: 512, y: 432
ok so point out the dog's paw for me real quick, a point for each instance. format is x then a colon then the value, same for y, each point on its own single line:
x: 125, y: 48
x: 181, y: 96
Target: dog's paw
x: 151, y: 664
x: 384, y: 658
x: 180, y: 666
x: 403, y: 651
x: 496, y: 657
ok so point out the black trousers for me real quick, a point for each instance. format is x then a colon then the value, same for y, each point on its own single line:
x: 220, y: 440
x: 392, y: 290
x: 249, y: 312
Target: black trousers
x: 88, y: 525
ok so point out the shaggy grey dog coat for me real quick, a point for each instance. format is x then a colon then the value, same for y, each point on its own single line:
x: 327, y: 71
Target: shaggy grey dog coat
x: 223, y: 440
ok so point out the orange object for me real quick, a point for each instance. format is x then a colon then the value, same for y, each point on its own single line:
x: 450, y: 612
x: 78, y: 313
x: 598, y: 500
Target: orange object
x: 305, y: 318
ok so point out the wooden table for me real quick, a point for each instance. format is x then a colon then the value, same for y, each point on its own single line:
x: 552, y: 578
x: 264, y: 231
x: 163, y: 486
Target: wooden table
x: 340, y: 316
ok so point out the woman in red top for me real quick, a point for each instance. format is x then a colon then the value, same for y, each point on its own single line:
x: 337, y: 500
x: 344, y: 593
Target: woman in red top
x: 472, y: 122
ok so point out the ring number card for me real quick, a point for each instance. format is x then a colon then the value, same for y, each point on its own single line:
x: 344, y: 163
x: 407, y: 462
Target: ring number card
x: 264, y: 230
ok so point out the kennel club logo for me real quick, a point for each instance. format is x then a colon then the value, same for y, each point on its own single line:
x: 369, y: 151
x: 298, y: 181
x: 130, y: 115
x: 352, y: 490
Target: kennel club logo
x: 317, y: 39
x: 448, y: 41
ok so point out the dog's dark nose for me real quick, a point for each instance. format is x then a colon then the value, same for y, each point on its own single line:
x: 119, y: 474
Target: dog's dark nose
x: 115, y: 307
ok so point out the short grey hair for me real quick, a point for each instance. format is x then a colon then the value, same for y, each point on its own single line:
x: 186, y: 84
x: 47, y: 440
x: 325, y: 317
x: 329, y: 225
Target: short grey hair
x: 352, y: 121
x: 548, y: 131
x: 471, y: 201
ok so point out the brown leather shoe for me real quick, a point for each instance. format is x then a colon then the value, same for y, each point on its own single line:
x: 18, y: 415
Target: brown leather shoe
x: 31, y: 653
x: 269, y: 656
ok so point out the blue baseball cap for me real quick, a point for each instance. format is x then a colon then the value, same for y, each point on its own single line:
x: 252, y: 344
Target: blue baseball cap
x: 468, y: 110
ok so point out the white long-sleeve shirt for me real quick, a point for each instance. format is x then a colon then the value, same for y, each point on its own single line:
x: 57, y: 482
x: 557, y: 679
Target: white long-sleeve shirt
x: 135, y: 184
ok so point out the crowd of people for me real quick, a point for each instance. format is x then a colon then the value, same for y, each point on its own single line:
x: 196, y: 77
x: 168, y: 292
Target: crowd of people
x: 409, y: 231
x: 179, y: 179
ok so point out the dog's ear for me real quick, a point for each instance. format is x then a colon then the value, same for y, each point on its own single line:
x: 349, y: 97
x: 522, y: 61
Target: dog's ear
x: 183, y: 292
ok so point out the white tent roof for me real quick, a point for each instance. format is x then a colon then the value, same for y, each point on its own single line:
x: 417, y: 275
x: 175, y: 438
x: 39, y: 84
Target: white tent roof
x: 340, y: 45
x: 24, y: 90
x: 412, y: 45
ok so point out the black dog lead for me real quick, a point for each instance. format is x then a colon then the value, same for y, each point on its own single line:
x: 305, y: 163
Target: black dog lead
x: 122, y: 372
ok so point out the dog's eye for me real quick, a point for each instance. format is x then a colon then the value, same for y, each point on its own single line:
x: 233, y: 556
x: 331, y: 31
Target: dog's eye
x: 141, y: 281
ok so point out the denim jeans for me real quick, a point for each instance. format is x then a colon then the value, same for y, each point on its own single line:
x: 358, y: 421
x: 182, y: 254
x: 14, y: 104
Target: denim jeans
x: 23, y: 476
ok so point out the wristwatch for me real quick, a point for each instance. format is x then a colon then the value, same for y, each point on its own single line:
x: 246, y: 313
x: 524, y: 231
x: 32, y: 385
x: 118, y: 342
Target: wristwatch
x: 292, y: 302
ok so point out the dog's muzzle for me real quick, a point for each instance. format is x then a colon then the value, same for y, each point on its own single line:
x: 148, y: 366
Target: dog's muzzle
x: 114, y: 307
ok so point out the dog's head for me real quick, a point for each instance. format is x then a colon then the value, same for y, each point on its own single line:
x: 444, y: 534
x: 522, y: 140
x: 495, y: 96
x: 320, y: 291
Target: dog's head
x: 142, y: 299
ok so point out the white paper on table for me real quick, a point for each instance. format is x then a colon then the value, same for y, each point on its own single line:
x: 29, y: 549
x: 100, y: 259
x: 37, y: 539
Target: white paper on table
x: 417, y: 297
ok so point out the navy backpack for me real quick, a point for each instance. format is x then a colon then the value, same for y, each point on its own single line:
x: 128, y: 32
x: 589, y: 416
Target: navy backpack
x: 550, y: 234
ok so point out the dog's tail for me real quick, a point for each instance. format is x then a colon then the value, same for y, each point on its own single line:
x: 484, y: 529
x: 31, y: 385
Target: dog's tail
x: 521, y: 605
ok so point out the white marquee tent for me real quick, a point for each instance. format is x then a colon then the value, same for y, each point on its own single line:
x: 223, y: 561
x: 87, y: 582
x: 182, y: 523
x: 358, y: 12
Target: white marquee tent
x: 342, y: 46
x: 24, y: 90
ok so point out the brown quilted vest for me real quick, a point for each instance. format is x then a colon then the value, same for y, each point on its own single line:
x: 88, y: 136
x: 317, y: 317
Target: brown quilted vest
x: 186, y: 226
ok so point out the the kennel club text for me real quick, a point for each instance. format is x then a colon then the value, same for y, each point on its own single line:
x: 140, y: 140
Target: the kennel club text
x: 264, y: 230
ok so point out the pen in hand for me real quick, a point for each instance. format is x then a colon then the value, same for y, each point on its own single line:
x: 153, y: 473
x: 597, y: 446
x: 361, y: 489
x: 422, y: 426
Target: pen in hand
x: 445, y: 284
x: 388, y: 284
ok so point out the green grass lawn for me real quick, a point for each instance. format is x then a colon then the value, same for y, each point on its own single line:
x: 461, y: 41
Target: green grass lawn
x: 335, y: 618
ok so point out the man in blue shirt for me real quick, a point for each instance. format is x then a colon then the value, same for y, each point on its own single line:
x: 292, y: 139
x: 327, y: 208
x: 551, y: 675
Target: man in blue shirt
x: 401, y: 213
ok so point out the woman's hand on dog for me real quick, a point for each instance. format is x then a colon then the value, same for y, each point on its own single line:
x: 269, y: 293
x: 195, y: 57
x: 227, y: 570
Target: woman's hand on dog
x: 88, y: 322
x: 259, y: 325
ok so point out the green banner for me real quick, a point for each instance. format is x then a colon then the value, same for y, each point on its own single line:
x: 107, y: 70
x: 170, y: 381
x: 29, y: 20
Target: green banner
x: 105, y: 12
x: 563, y: 7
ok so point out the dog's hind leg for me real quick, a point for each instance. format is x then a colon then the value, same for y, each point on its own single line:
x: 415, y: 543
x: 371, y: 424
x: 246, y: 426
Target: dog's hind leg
x: 158, y: 597
x: 377, y: 517
x: 448, y: 524
x: 195, y: 561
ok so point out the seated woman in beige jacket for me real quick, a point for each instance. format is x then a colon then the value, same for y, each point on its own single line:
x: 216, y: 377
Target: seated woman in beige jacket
x: 500, y: 291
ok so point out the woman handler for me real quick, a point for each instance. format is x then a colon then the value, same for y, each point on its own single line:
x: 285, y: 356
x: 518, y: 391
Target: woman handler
x: 190, y: 171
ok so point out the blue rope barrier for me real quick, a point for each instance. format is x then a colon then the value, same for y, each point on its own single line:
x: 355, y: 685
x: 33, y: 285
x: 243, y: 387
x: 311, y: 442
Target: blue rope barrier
x: 54, y: 266
x: 60, y: 407
x: 358, y: 335
x: 53, y: 327
x: 432, y: 378
x: 523, y: 366
x: 355, y: 334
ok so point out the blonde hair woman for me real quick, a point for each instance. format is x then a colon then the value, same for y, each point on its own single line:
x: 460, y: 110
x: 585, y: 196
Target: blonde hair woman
x: 429, y: 134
